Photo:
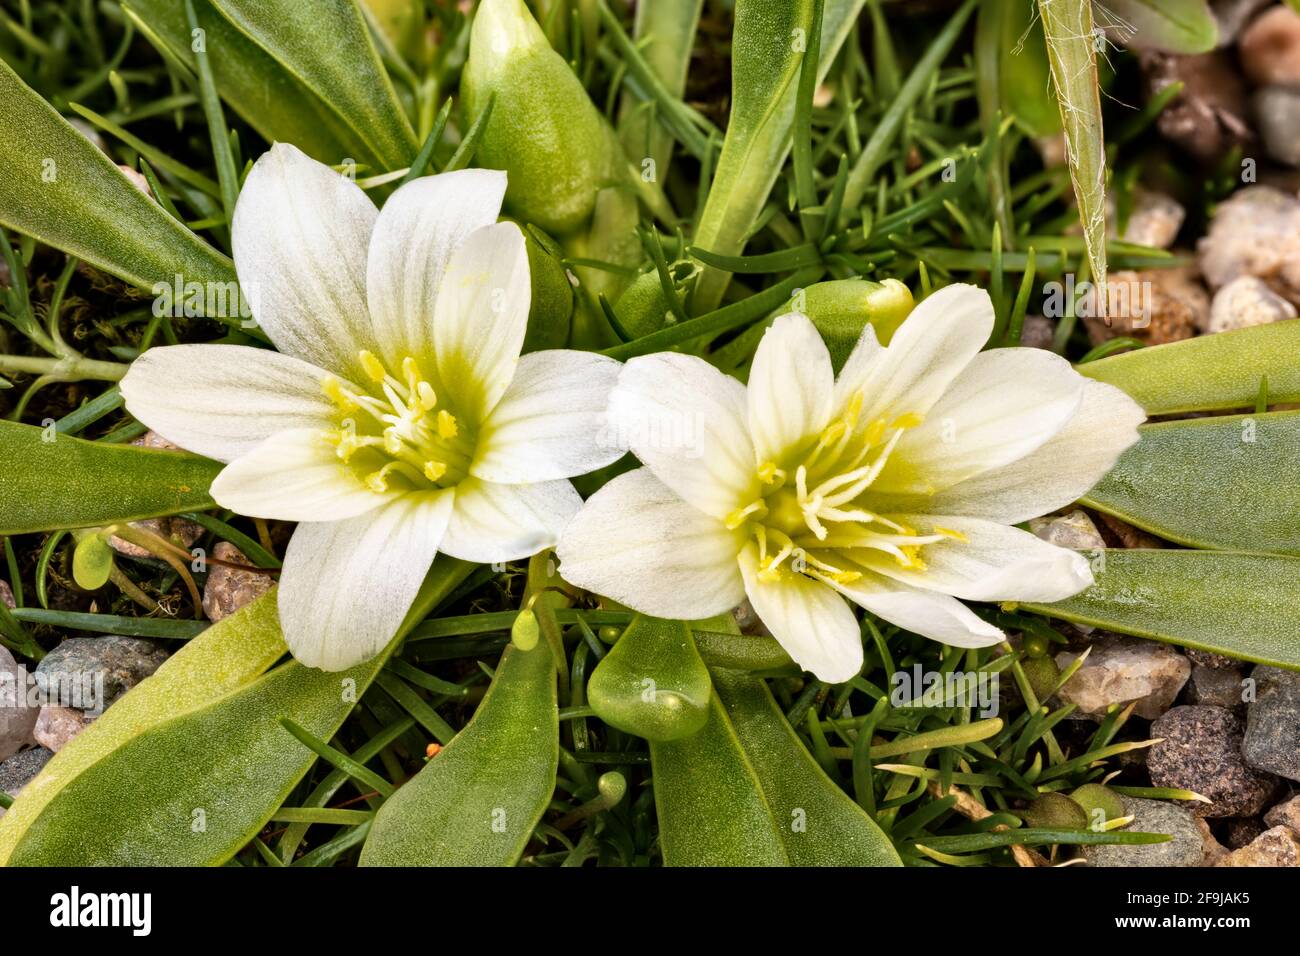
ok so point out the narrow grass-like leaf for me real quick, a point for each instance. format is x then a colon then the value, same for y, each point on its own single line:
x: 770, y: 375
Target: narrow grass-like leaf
x: 1072, y: 52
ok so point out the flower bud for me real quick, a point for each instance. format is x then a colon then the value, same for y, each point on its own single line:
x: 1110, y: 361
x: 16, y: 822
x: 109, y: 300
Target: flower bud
x: 840, y: 308
x: 544, y: 131
x: 525, y: 631
x: 551, y: 311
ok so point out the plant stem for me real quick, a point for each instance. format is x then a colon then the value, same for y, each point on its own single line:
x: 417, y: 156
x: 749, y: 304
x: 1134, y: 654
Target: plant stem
x: 68, y: 368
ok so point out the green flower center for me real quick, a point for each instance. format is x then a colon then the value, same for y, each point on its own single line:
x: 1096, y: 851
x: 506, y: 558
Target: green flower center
x: 398, y: 432
x: 813, y: 510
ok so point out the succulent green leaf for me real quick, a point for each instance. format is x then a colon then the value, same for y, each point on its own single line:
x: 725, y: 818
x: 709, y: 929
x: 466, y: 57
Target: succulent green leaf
x: 477, y: 801
x: 1234, y: 603
x: 652, y: 683
x: 50, y: 481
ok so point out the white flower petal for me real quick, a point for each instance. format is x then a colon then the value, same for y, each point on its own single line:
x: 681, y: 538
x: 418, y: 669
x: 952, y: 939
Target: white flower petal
x: 936, y: 616
x: 480, y: 318
x: 294, y: 476
x: 1005, y: 404
x: 300, y: 234
x: 638, y: 543
x: 347, y: 585
x: 813, y: 623
x: 415, y: 235
x: 222, y: 400
x: 858, y: 367
x: 1061, y: 471
x: 929, y: 350
x: 551, y: 421
x: 492, y: 522
x: 994, y: 562
x: 790, y: 386
x: 687, y: 421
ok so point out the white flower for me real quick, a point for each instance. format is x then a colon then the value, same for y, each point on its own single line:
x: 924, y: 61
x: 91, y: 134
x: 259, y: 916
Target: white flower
x: 398, y: 418
x: 895, y: 484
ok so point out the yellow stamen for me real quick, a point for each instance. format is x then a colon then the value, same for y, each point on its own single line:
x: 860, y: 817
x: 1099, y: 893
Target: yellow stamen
x: 335, y: 392
x: 427, y: 397
x: 373, y: 367
x: 952, y: 534
x: 741, y: 515
x: 769, y: 474
x: 377, y: 481
x: 447, y: 427
x: 908, y: 420
x: 434, y: 470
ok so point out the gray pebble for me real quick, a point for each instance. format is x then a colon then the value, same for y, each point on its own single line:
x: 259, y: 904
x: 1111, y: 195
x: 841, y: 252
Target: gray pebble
x: 1201, y: 751
x: 1272, y: 741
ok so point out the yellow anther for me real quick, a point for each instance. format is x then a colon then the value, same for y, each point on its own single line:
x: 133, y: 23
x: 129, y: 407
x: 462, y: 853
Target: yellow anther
x: 373, y: 367
x: 948, y: 532
x: 770, y: 575
x: 769, y: 474
x: 335, y: 392
x: 434, y: 470
x: 908, y: 420
x: 874, y: 432
x: 741, y: 515
x: 854, y: 409
x: 392, y: 441
x: 377, y: 481
x: 345, y: 444
x: 447, y: 427
x: 427, y: 397
x: 911, y: 558
x: 833, y: 432
x: 845, y: 577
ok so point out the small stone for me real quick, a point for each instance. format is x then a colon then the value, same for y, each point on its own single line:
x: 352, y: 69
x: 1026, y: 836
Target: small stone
x: 1129, y: 536
x: 1221, y: 687
x: 1209, y: 658
x: 7, y: 595
x: 1200, y: 751
x: 1270, y: 47
x: 1186, y: 848
x: 748, y: 621
x: 137, y: 179
x: 1232, y: 16
x: 1272, y: 741
x: 1247, y: 301
x: 20, y: 769
x: 229, y: 589
x: 16, y: 718
x: 57, y: 725
x: 1037, y: 332
x: 1254, y: 233
x: 1123, y: 669
x: 178, y: 531
x: 1277, y: 116
x: 1154, y: 220
x: 1073, y: 530
x: 1157, y: 306
x: 1208, y: 117
x: 81, y: 669
x: 1214, y: 850
x: 1286, y: 813
x: 1279, y: 846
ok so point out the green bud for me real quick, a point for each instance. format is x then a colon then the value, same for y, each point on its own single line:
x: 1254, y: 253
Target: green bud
x: 840, y: 308
x: 551, y: 311
x: 544, y: 131
x: 1056, y: 811
x: 525, y: 632
x: 1100, y: 803
x: 608, y: 634
x: 1036, y: 645
x: 612, y: 787
x: 643, y: 308
x: 92, y: 561
x: 1042, y: 674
